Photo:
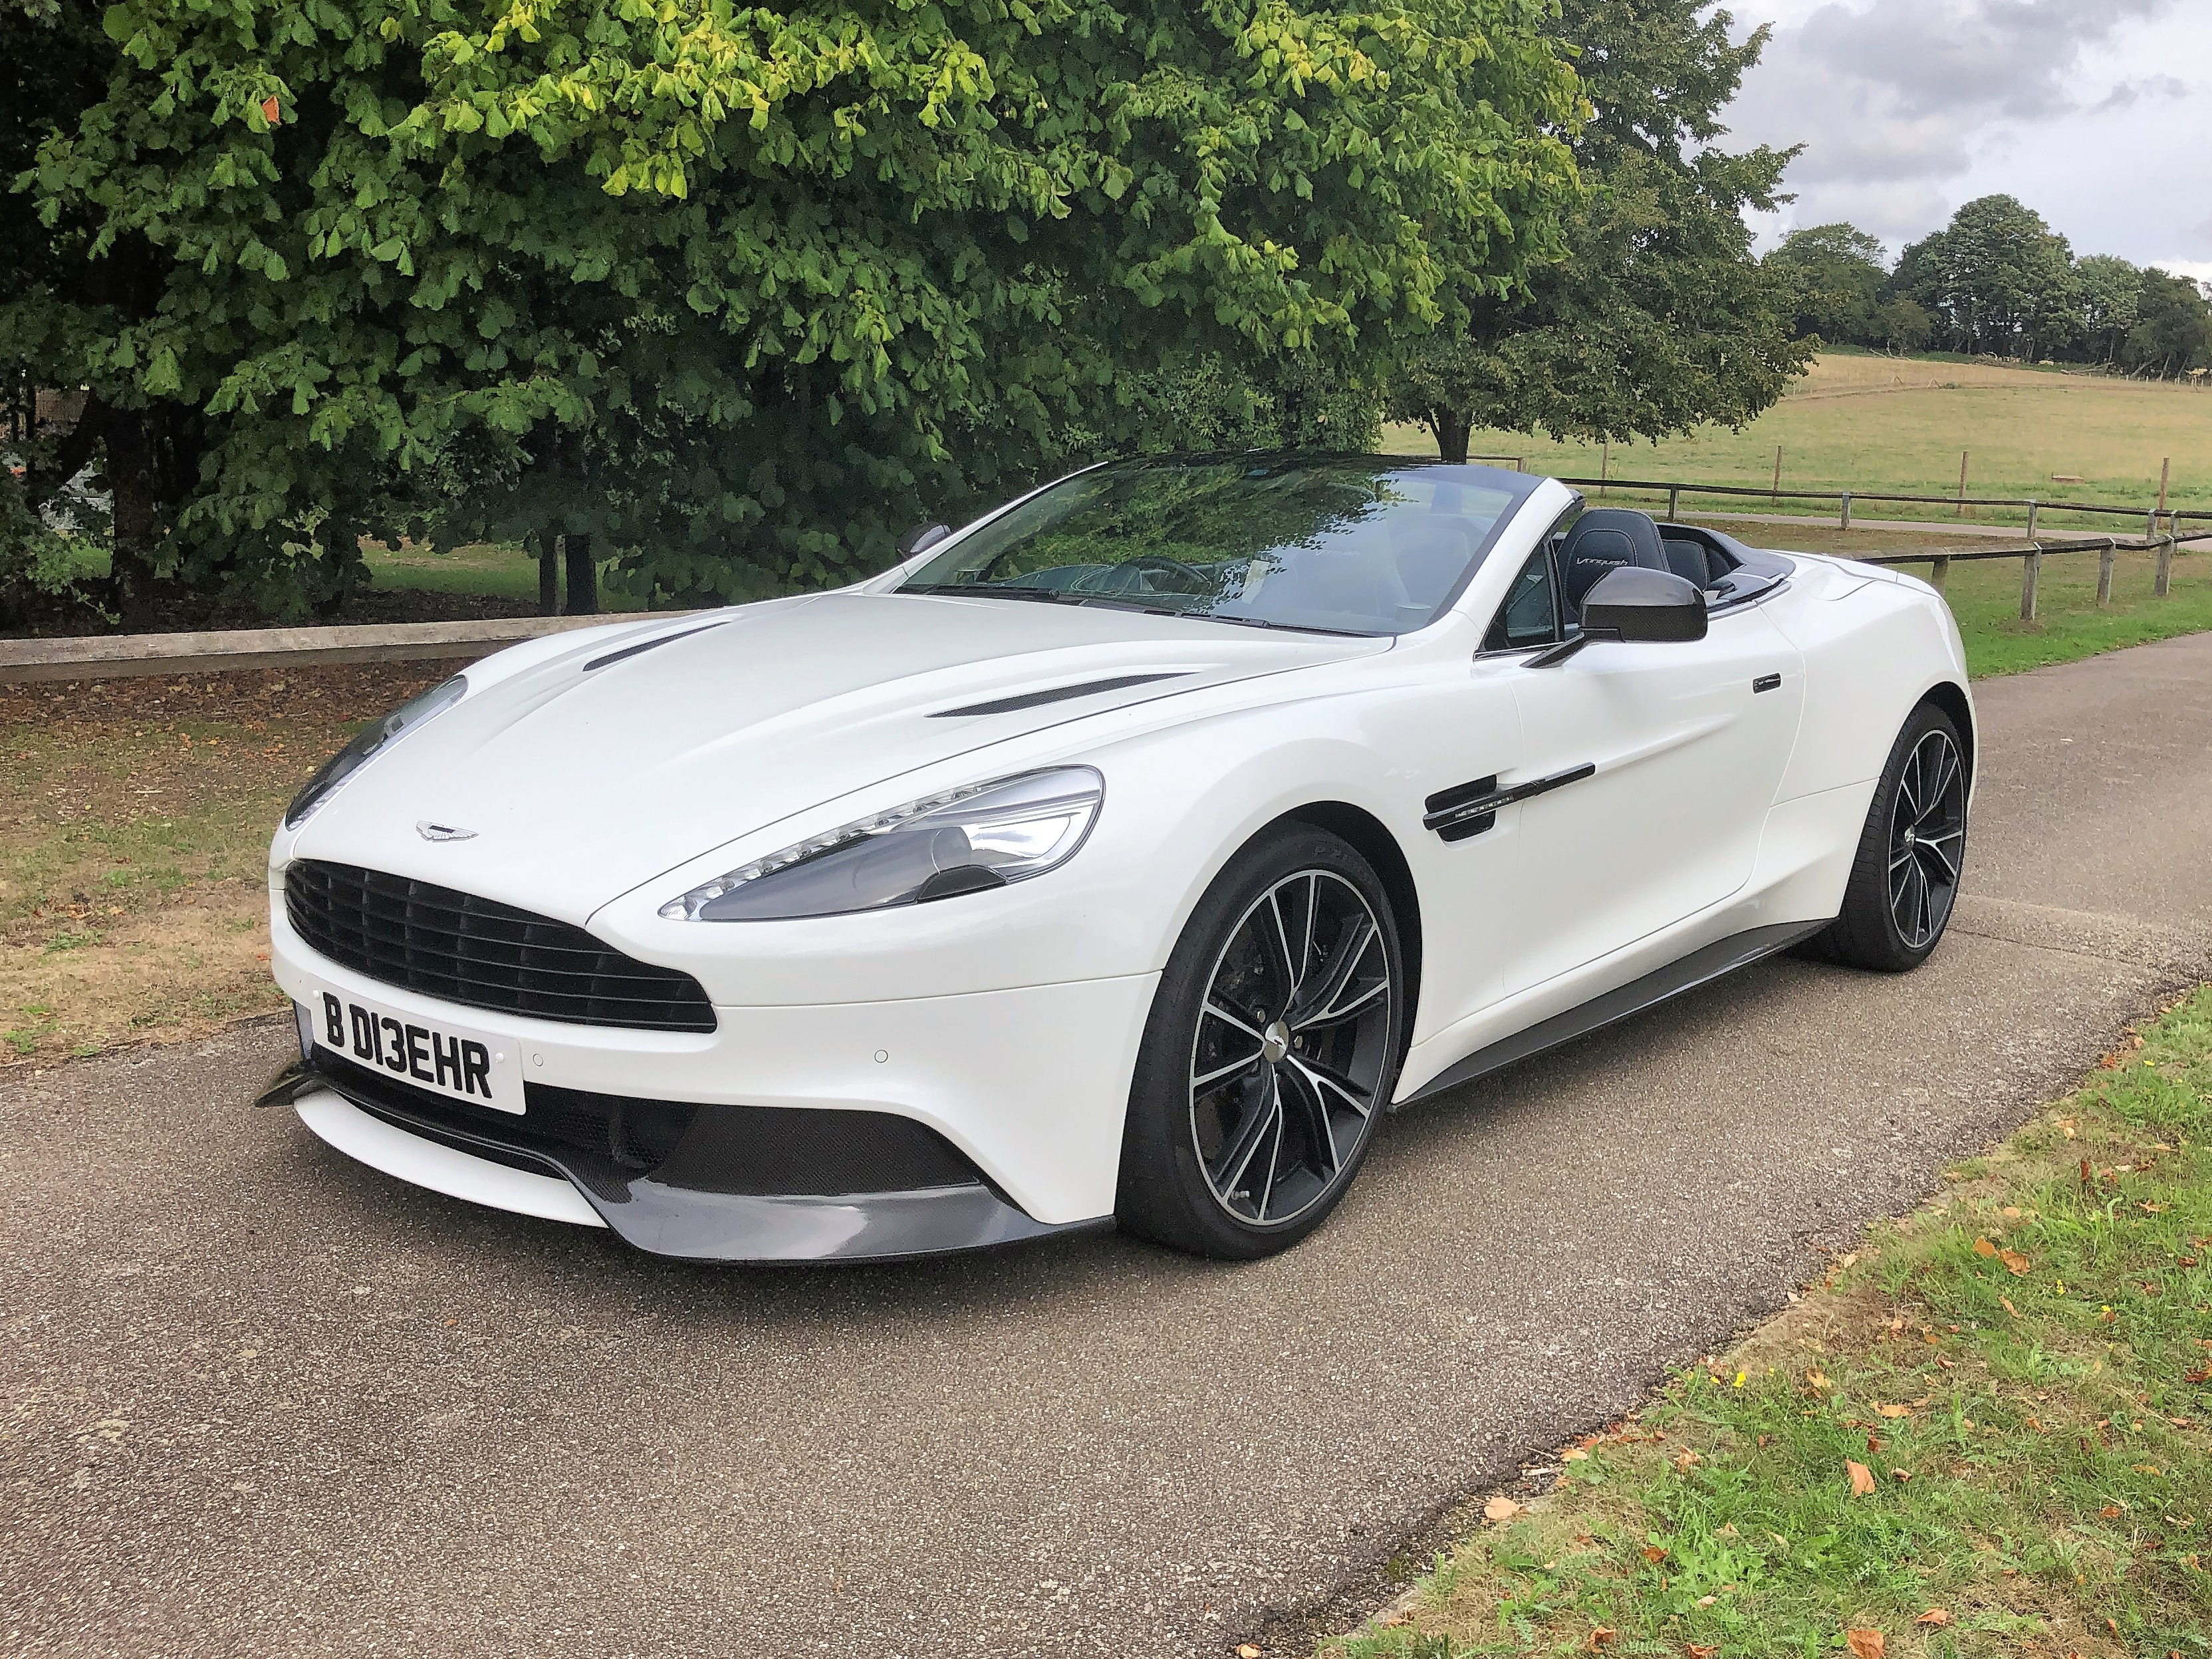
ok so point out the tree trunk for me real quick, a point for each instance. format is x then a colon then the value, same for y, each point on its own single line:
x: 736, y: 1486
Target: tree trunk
x: 548, y: 572
x: 137, y: 522
x: 1452, y: 430
x: 583, y: 577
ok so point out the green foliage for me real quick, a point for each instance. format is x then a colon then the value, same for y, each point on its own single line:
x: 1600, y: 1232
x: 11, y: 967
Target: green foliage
x: 2173, y: 327
x: 742, y: 294
x: 1996, y: 279
x: 1840, y: 272
x: 1657, y: 319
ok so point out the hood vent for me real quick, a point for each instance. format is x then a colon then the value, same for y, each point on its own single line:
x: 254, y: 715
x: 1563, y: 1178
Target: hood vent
x: 648, y: 645
x: 1057, y: 694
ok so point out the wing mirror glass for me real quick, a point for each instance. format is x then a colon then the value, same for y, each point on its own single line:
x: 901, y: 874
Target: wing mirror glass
x: 1644, y: 607
x: 922, y: 537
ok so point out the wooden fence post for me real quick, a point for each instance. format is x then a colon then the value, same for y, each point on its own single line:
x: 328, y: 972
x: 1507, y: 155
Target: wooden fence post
x: 1778, y: 475
x: 2032, y: 509
x: 2165, y: 586
x: 1939, y: 574
x: 2165, y: 471
x: 2106, y: 557
x: 2031, y: 568
x: 1962, y: 483
x: 1846, y: 522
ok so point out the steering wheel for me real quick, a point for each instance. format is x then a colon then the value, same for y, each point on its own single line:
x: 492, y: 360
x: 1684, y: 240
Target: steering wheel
x: 1197, y: 578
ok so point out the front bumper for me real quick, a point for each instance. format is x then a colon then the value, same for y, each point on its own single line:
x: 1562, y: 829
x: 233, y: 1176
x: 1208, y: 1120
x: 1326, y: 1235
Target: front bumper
x: 1026, y: 1088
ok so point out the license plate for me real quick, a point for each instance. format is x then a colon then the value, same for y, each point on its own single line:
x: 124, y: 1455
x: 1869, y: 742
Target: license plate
x: 430, y: 1054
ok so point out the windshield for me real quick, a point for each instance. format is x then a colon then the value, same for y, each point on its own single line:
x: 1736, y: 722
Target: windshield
x: 1346, y: 544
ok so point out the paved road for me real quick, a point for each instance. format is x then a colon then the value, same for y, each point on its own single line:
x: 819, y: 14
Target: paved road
x: 260, y: 1401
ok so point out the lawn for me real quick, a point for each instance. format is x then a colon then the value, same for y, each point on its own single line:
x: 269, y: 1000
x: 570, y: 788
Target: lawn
x: 493, y: 569
x: 1984, y: 1434
x: 1897, y: 425
x: 134, y: 817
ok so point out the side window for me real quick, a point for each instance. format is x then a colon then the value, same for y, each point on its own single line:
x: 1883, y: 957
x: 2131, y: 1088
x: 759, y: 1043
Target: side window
x: 1530, y: 615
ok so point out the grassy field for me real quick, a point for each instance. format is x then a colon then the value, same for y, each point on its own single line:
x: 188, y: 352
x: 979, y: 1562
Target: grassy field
x: 1986, y: 1434
x: 498, y: 571
x: 1866, y: 422
x: 134, y: 817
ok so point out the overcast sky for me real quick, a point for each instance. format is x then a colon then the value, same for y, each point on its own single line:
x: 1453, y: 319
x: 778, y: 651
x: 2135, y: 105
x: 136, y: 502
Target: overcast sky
x: 2097, y: 114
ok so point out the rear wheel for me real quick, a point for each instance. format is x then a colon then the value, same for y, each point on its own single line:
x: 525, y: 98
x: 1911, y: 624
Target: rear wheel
x: 1270, y: 1054
x: 1905, y: 880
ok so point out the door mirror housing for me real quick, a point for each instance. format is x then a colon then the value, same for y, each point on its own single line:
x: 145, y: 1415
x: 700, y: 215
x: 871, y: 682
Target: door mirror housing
x: 1635, y: 606
x: 922, y: 537
x: 1641, y: 606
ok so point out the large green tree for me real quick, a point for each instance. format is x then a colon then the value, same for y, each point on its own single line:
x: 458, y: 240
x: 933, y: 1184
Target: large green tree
x: 2172, y: 330
x: 1996, y: 279
x: 742, y: 291
x: 1840, y: 271
x: 1657, y: 319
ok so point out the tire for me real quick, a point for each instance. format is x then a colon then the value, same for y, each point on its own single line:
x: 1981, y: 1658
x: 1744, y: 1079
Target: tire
x: 1291, y: 958
x: 1904, y: 878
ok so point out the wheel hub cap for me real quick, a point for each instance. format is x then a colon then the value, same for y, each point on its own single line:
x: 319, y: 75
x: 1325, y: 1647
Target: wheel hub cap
x: 1275, y: 1043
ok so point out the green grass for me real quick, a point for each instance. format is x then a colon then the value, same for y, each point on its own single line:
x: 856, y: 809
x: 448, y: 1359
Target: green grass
x: 492, y: 569
x: 1985, y: 1435
x: 1897, y: 425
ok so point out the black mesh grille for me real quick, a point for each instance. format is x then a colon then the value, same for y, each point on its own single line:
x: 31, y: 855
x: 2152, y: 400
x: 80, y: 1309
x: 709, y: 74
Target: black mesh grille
x: 607, y: 1141
x: 462, y: 949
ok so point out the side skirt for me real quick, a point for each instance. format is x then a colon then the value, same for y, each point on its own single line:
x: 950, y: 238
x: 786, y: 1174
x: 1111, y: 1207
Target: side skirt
x: 1700, y: 967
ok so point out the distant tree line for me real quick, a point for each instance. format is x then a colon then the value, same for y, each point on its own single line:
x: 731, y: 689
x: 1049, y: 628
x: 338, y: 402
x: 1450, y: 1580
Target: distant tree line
x: 1999, y: 281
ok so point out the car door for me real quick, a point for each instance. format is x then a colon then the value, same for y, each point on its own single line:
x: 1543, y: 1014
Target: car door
x: 1666, y: 758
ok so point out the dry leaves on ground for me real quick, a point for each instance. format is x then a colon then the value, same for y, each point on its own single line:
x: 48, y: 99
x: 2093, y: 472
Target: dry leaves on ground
x: 1861, y: 1478
x: 1867, y: 1643
x: 1500, y: 1508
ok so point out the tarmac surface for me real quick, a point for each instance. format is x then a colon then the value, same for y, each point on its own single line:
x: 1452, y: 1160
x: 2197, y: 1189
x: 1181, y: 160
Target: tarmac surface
x: 258, y: 1400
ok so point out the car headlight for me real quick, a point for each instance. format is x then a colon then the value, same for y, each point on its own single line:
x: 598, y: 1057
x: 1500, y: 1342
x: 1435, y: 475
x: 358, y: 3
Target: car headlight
x: 961, y: 841
x: 369, y: 741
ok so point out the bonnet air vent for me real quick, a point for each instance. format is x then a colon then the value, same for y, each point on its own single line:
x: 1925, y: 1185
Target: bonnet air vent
x: 648, y: 645
x: 1057, y: 694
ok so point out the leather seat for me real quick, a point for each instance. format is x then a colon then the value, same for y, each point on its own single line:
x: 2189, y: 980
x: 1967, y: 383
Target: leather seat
x: 1603, y: 540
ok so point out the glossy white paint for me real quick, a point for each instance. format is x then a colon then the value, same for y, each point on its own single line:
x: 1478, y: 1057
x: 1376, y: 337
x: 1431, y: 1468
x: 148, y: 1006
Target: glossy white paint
x: 1010, y: 1018
x: 426, y: 1164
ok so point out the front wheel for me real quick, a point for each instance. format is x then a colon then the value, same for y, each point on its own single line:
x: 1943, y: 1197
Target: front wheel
x: 1270, y: 1053
x: 1911, y: 851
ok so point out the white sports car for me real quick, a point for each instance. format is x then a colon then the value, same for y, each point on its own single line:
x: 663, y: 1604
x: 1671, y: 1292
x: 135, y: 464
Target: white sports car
x: 1121, y: 857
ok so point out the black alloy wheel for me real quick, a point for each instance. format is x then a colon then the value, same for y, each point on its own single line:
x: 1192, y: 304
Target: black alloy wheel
x: 1270, y: 1052
x: 1927, y: 839
x: 1911, y: 851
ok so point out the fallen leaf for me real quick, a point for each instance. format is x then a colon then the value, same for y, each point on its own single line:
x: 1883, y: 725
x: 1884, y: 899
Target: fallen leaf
x: 1697, y: 1652
x: 1901, y: 1476
x: 1894, y: 1411
x: 1938, y: 1617
x: 1653, y: 1552
x: 1500, y: 1508
x: 2018, y: 1263
x: 1246, y: 1650
x: 1601, y: 1637
x: 1867, y: 1643
x: 1688, y: 1461
x: 2203, y: 1374
x: 1814, y: 1380
x: 1983, y: 1247
x: 1574, y: 1455
x: 1861, y: 1478
x: 2005, y: 1302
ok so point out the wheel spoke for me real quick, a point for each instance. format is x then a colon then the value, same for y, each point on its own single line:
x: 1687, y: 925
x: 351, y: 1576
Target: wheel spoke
x: 1292, y: 966
x: 1318, y: 1127
x: 1230, y: 1017
x: 1360, y: 935
x: 1338, y: 1012
x: 1275, y: 1158
x: 1929, y: 852
x: 1230, y: 1070
x: 1251, y: 1134
x: 1947, y: 769
x: 1359, y: 1100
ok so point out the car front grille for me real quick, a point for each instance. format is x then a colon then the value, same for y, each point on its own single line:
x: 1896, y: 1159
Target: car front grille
x: 462, y: 949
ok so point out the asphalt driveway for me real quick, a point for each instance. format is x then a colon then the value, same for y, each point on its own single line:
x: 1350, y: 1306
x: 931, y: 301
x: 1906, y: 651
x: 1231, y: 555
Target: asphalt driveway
x: 258, y: 1400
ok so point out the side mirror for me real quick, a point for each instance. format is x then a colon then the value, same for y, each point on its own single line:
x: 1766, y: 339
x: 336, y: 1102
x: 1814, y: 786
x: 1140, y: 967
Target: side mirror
x: 922, y: 537
x: 1635, y: 606
x: 1643, y: 607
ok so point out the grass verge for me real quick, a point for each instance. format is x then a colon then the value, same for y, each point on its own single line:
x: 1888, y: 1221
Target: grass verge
x: 134, y: 817
x: 1983, y: 1434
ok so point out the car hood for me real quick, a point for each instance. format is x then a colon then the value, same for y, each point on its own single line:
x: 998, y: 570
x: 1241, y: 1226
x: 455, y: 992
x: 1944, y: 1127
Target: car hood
x: 586, y: 773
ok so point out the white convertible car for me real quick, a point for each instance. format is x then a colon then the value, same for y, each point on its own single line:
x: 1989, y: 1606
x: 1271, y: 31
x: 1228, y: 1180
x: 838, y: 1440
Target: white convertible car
x: 1121, y: 857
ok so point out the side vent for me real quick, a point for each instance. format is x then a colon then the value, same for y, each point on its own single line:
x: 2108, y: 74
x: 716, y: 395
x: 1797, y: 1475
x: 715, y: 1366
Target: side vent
x: 1445, y: 804
x: 1056, y: 693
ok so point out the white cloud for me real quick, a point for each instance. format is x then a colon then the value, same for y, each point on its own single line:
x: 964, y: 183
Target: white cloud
x: 1907, y: 108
